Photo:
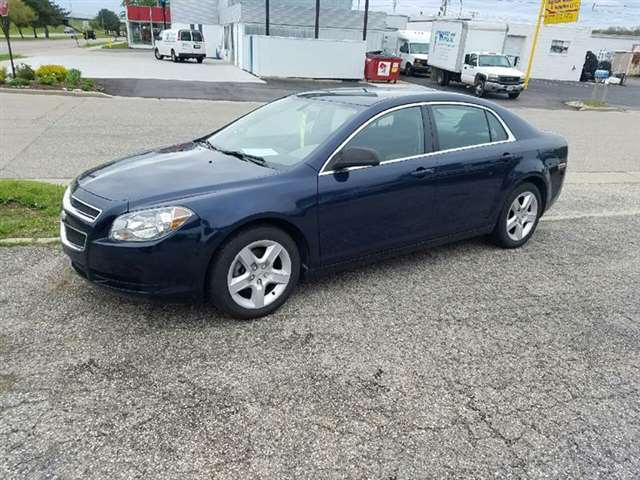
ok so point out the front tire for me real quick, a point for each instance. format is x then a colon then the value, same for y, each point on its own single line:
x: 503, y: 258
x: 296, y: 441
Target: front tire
x: 514, y: 95
x: 254, y: 273
x: 408, y: 70
x: 156, y: 52
x: 519, y: 217
x: 479, y: 88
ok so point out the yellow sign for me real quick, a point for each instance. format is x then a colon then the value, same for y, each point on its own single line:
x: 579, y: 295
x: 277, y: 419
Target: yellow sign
x: 561, y: 11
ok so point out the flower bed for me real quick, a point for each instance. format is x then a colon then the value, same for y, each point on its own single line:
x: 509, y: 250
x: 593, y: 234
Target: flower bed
x: 47, y: 77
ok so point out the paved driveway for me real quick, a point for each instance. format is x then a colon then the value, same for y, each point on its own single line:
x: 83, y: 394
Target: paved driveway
x: 141, y: 64
x: 463, y: 361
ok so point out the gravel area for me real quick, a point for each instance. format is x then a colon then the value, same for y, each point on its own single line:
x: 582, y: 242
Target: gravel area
x: 461, y: 361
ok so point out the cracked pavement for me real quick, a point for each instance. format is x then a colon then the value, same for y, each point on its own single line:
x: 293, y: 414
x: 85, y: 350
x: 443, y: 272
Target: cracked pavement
x: 464, y: 361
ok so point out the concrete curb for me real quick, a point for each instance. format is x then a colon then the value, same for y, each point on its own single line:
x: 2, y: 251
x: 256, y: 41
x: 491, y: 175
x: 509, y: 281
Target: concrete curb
x: 11, y: 242
x: 66, y: 93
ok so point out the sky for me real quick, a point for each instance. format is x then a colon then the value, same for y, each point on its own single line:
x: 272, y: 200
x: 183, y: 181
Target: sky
x: 596, y: 13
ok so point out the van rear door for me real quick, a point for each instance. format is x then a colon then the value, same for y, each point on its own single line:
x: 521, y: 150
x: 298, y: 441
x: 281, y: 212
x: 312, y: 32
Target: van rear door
x: 198, y: 41
x: 184, y: 41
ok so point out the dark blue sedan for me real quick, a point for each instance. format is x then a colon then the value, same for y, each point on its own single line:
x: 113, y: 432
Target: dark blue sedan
x: 309, y: 182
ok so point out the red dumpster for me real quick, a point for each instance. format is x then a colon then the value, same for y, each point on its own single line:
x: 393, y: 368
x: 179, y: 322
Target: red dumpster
x: 379, y: 67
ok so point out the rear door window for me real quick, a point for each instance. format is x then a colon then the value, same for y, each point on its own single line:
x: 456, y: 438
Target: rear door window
x: 185, y: 35
x: 197, y: 36
x: 498, y: 133
x: 460, y: 126
x: 398, y: 134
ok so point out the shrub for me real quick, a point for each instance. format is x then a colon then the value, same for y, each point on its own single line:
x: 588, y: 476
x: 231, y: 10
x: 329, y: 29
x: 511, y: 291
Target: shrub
x: 48, y: 79
x: 88, y: 85
x: 3, y: 74
x: 25, y: 72
x: 19, y: 82
x: 57, y: 70
x: 73, y: 78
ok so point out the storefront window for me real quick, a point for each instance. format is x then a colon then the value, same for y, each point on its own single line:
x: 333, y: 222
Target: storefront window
x: 143, y: 33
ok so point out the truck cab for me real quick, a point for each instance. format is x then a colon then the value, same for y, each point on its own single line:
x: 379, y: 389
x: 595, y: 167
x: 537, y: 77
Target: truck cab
x: 491, y: 72
x: 413, y: 50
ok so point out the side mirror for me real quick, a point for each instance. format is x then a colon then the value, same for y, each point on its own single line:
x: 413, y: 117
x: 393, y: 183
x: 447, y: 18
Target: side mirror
x: 355, y: 157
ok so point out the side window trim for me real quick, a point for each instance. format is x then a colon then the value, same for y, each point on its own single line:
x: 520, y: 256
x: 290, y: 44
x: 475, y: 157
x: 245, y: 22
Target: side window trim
x: 429, y: 128
x: 428, y: 104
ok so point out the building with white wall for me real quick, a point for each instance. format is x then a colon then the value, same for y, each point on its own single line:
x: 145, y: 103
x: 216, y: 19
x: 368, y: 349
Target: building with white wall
x: 226, y: 24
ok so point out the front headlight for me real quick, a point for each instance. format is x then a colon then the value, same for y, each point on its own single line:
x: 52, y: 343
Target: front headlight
x: 152, y: 224
x: 493, y: 78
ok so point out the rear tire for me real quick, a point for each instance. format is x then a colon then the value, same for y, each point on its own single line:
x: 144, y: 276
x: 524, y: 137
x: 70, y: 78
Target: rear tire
x: 266, y: 260
x: 442, y: 77
x: 514, y: 95
x: 174, y: 58
x: 200, y: 59
x: 156, y: 52
x: 519, y: 217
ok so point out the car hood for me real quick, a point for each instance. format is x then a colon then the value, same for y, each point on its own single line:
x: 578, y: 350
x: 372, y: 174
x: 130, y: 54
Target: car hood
x: 170, y: 173
x: 502, y: 71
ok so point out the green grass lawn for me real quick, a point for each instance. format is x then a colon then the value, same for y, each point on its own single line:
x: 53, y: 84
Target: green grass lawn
x: 28, y: 32
x: 29, y: 209
x: 5, y: 56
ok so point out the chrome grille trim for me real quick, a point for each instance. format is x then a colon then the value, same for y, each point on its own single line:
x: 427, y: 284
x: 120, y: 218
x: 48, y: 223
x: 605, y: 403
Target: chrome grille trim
x: 65, y: 241
x: 66, y: 204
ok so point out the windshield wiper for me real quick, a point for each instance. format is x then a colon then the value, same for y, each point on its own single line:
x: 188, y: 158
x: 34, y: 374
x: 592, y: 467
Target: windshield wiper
x: 236, y: 153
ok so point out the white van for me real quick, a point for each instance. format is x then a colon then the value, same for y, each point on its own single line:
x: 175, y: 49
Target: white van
x: 413, y: 49
x: 180, y: 44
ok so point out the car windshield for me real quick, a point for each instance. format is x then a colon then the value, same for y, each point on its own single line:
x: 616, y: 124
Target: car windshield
x: 283, y: 133
x: 419, y: 48
x: 494, y: 61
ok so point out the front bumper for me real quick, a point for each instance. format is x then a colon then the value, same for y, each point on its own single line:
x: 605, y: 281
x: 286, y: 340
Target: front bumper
x: 174, y: 266
x: 503, y: 88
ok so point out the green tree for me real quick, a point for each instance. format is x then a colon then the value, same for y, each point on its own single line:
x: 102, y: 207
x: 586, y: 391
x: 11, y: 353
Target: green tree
x: 21, y: 15
x: 107, y: 20
x: 49, y: 14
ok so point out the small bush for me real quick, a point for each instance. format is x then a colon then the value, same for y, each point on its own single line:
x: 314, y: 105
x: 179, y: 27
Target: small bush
x: 25, y: 72
x: 88, y: 85
x: 48, y: 79
x: 3, y: 74
x: 74, y: 76
x: 19, y: 82
x: 57, y: 70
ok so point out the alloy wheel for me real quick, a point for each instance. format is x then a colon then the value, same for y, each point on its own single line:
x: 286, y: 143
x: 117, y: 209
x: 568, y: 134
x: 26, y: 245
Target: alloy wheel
x: 259, y: 274
x: 522, y: 216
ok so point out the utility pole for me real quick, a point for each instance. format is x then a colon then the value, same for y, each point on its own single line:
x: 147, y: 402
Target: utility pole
x: 317, y: 18
x: 534, y: 43
x: 366, y: 19
x: 4, y: 12
x: 443, y: 8
x: 266, y: 21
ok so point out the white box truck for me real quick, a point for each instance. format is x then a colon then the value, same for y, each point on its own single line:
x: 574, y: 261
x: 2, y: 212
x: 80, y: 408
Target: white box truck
x: 470, y: 52
x: 412, y: 46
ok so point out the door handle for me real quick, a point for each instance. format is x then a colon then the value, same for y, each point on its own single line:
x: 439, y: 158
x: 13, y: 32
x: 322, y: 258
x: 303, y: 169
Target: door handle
x: 508, y: 158
x: 421, y: 172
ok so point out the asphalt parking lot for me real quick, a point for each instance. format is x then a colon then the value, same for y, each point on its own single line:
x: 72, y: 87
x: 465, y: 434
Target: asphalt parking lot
x: 464, y: 361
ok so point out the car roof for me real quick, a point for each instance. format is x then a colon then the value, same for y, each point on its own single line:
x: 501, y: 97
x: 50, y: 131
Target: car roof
x: 368, y: 96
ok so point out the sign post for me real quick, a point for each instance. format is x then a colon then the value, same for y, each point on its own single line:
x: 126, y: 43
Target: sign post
x: 4, y: 13
x: 553, y: 12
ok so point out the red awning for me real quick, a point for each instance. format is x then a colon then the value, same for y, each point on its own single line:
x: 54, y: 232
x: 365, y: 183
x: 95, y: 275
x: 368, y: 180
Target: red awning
x: 146, y: 14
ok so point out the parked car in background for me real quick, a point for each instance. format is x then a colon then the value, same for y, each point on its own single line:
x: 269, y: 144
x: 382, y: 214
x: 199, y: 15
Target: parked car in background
x: 310, y: 182
x: 89, y: 35
x: 470, y: 52
x: 180, y: 44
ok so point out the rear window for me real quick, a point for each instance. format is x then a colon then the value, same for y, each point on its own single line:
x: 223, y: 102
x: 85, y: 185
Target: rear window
x: 197, y: 36
x: 185, y: 35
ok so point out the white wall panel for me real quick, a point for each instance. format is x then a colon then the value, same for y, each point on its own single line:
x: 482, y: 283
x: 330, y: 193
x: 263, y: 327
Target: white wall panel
x: 281, y: 57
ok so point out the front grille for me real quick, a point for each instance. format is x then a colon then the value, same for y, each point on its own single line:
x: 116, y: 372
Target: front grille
x: 84, y: 208
x: 72, y: 237
x: 509, y: 80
